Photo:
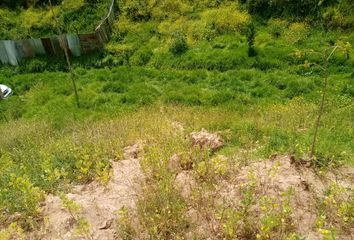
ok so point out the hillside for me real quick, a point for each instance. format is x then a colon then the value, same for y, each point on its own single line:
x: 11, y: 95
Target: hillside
x: 196, y: 121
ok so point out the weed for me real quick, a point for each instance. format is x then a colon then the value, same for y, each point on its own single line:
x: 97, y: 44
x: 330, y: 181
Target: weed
x: 82, y: 225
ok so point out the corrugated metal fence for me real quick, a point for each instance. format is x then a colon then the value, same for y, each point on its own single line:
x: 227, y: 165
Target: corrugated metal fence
x: 13, y: 51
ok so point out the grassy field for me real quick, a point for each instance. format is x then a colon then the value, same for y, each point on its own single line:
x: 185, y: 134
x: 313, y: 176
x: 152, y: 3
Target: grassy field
x: 184, y: 68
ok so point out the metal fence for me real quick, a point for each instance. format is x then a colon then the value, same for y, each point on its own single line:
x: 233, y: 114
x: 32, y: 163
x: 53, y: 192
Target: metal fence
x: 13, y: 51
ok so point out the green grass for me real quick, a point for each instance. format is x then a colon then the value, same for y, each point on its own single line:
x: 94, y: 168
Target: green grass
x: 273, y: 112
x: 140, y: 84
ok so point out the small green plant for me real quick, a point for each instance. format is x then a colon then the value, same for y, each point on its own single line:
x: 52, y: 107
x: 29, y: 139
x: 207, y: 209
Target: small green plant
x: 335, y: 211
x: 18, y: 195
x: 126, y: 230
x: 12, y: 232
x: 83, y: 227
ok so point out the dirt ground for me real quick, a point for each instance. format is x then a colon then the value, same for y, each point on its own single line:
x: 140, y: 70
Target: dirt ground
x: 100, y: 205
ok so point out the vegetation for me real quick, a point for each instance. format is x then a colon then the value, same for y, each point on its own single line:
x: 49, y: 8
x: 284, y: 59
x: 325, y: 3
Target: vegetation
x: 37, y: 21
x: 249, y: 70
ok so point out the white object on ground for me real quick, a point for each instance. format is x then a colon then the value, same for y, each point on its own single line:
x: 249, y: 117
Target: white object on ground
x: 6, y: 92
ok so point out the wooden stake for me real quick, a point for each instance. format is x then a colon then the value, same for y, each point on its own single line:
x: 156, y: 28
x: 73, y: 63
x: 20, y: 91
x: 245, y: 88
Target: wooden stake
x: 64, y: 45
x: 322, y: 103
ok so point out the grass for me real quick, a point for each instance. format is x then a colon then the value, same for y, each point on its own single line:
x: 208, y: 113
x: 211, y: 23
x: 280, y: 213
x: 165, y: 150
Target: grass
x: 150, y: 76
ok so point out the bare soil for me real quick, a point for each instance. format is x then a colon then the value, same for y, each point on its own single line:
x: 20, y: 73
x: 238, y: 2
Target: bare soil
x: 99, y: 204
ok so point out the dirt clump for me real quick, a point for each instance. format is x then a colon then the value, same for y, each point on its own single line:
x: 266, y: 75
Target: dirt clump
x: 133, y: 151
x: 174, y: 163
x: 185, y: 183
x: 204, y: 139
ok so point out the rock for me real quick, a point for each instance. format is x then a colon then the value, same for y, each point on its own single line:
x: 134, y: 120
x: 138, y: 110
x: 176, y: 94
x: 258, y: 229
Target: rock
x: 106, y: 224
x: 204, y: 139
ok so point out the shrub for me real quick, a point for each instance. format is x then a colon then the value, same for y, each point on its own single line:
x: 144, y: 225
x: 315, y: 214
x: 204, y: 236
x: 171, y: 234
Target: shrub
x: 122, y: 51
x: 339, y: 16
x: 251, y: 35
x: 136, y: 10
x: 171, y: 9
x: 296, y: 32
x: 277, y: 27
x: 179, y: 44
x: 348, y: 89
x: 208, y: 3
x: 226, y: 19
x: 18, y: 194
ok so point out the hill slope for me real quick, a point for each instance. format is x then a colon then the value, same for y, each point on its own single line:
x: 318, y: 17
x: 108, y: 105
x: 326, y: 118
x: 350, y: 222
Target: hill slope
x: 172, y: 69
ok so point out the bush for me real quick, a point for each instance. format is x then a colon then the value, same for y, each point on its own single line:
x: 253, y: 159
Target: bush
x: 340, y: 16
x: 179, y: 44
x: 170, y: 9
x: 136, y: 10
x: 296, y: 32
x: 277, y: 26
x: 226, y: 19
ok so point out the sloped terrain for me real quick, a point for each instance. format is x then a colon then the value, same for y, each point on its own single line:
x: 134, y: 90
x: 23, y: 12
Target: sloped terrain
x: 98, y: 205
x: 217, y: 102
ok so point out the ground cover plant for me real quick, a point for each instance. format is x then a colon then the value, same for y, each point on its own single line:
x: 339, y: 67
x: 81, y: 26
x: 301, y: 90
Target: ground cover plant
x: 253, y: 81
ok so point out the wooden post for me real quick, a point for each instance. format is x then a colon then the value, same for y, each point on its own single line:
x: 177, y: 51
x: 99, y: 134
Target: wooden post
x: 323, y: 99
x: 64, y: 45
